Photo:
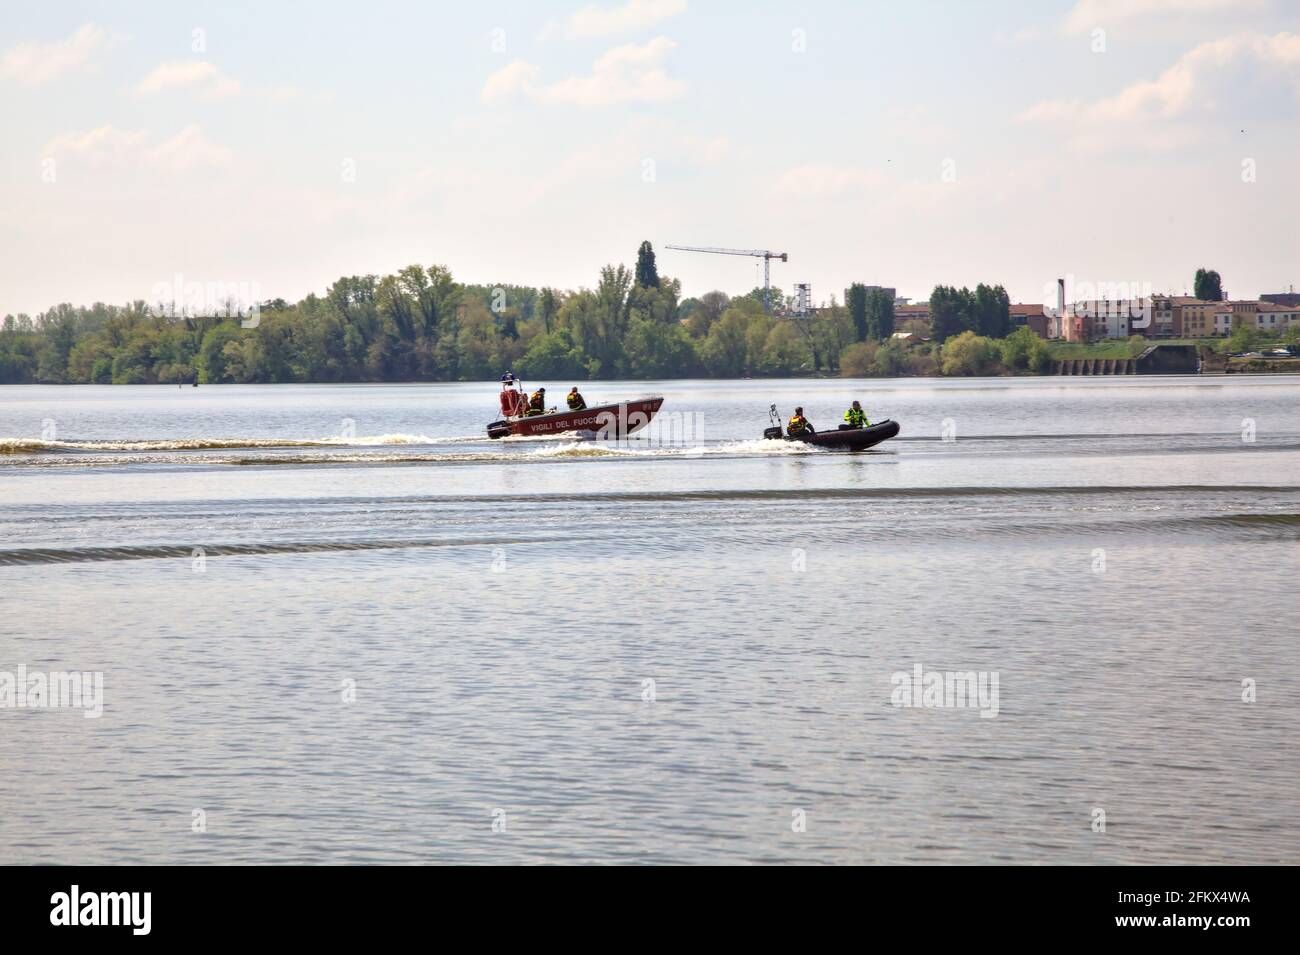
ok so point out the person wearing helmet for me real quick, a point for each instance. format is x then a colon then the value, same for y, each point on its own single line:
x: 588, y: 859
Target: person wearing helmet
x: 799, y: 425
x: 855, y: 417
x: 576, y: 401
x: 537, y: 402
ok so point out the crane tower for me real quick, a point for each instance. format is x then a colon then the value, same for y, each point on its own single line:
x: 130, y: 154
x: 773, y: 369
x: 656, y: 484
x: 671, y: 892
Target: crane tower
x: 766, y: 255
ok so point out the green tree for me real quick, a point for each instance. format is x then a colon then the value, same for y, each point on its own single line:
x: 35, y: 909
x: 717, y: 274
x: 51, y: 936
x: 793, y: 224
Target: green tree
x: 810, y: 332
x: 656, y: 303
x: 856, y: 298
x: 610, y: 317
x: 773, y: 297
x: 891, y: 360
x: 725, y: 350
x: 658, y: 350
x: 1023, y: 350
x: 879, y: 314
x: 1243, y: 337
x: 832, y: 332
x: 647, y: 274
x: 858, y: 360
x: 945, y: 313
x: 212, y: 353
x: 18, y: 343
x: 952, y: 311
x: 785, y: 351
x: 970, y: 354
x: 757, y: 327
x: 547, y: 308
x: 553, y: 357
x: 1208, y: 286
x: 59, y: 330
x: 433, y: 294
x: 992, y: 311
x: 244, y: 359
x: 90, y: 361
x: 710, y: 308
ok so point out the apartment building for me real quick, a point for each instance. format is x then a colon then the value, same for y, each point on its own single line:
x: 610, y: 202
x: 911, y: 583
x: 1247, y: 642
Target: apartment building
x: 1034, y: 317
x: 1167, y: 315
x: 1101, y: 318
x: 1263, y: 316
x: 1198, y: 318
x: 1289, y: 299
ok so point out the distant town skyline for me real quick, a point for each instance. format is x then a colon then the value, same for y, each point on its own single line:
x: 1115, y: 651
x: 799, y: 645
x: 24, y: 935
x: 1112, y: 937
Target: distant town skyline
x: 905, y: 145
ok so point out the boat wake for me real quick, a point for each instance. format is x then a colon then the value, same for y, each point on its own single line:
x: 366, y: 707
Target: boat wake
x: 37, y: 446
x: 375, y: 450
x: 69, y: 555
x: 579, y: 449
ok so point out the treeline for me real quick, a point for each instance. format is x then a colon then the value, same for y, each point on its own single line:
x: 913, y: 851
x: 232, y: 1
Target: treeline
x: 985, y: 311
x: 1021, y: 352
x: 419, y: 324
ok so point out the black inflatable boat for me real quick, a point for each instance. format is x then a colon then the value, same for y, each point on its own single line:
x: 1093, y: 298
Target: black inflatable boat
x: 843, y: 439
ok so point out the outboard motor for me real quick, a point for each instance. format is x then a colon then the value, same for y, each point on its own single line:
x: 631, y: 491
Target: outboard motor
x: 513, y: 403
x: 775, y: 431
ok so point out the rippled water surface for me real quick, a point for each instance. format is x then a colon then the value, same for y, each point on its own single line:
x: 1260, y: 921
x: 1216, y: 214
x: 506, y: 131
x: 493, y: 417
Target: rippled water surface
x: 678, y: 648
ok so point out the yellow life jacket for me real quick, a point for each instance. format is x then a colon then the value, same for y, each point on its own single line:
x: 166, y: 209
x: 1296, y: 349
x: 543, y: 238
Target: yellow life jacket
x: 856, y: 417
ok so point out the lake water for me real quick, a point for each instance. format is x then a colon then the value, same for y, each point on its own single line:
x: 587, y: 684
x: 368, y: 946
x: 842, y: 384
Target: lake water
x: 345, y: 627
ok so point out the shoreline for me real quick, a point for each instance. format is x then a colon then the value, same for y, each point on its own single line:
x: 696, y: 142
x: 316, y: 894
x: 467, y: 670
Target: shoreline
x: 1292, y: 368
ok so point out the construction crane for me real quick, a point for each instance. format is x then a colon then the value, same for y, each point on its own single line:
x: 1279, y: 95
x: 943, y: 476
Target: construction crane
x: 764, y: 254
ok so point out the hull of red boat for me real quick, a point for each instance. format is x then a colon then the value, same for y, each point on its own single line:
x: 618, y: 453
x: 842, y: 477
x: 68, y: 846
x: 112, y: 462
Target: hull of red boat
x: 612, y: 421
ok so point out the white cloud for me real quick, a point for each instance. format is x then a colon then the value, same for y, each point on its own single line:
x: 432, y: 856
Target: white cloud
x: 626, y: 74
x: 32, y: 64
x: 508, y: 81
x: 1088, y: 14
x: 108, y: 145
x: 595, y: 21
x: 197, y: 75
x: 188, y: 149
x: 1195, y: 81
x: 1052, y: 110
x: 97, y: 147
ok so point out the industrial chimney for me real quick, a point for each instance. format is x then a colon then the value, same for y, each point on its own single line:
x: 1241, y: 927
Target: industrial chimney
x: 1060, y: 308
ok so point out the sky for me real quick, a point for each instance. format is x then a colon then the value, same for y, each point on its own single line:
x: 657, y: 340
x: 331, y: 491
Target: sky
x: 276, y: 147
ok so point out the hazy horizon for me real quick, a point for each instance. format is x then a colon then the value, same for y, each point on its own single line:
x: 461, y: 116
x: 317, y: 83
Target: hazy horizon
x: 904, y: 146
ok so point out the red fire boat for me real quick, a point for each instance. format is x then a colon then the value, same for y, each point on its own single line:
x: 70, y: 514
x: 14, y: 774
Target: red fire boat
x: 611, y: 421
